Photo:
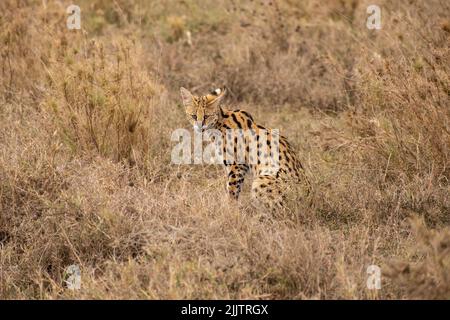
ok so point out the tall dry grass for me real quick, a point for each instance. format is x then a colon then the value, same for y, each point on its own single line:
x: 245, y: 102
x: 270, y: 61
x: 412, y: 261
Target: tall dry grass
x: 85, y: 172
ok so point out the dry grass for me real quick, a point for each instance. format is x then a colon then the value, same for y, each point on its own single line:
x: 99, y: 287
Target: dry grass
x: 85, y: 173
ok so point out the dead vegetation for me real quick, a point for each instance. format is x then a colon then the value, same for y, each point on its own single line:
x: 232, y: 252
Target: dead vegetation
x: 85, y: 172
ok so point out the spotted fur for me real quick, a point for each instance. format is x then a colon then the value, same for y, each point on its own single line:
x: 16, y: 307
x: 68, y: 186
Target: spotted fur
x: 268, y: 187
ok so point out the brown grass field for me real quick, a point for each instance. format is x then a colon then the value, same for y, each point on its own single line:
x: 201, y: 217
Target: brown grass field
x: 86, y: 177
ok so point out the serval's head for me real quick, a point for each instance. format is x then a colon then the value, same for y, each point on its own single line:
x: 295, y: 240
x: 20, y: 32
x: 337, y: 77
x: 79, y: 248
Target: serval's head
x: 203, y: 111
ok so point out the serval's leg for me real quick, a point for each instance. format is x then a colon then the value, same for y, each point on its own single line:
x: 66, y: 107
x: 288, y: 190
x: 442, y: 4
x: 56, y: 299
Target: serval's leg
x: 235, y: 174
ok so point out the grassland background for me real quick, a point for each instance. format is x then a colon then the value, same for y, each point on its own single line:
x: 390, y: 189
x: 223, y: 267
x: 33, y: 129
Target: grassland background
x: 85, y: 172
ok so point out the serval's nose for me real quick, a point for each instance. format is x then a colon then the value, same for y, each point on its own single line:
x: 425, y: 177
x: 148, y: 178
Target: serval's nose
x: 198, y: 125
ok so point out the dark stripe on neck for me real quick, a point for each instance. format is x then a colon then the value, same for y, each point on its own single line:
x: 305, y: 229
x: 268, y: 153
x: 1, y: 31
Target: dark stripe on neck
x: 235, y: 119
x: 223, y: 114
x: 247, y: 114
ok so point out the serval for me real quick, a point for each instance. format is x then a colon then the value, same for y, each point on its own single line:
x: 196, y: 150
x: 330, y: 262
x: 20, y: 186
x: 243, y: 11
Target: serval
x: 267, y: 154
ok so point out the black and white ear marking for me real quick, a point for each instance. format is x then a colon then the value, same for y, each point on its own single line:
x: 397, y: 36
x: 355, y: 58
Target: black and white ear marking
x: 218, y: 97
x: 216, y: 92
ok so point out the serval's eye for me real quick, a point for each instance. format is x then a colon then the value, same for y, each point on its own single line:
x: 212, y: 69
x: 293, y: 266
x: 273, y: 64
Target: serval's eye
x: 194, y: 116
x: 205, y: 116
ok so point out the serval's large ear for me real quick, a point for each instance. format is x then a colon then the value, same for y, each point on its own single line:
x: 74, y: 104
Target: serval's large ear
x: 187, y: 97
x: 216, y: 96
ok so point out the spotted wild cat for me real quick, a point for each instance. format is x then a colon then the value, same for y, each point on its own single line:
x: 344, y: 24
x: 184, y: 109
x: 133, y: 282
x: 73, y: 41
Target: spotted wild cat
x: 264, y: 152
